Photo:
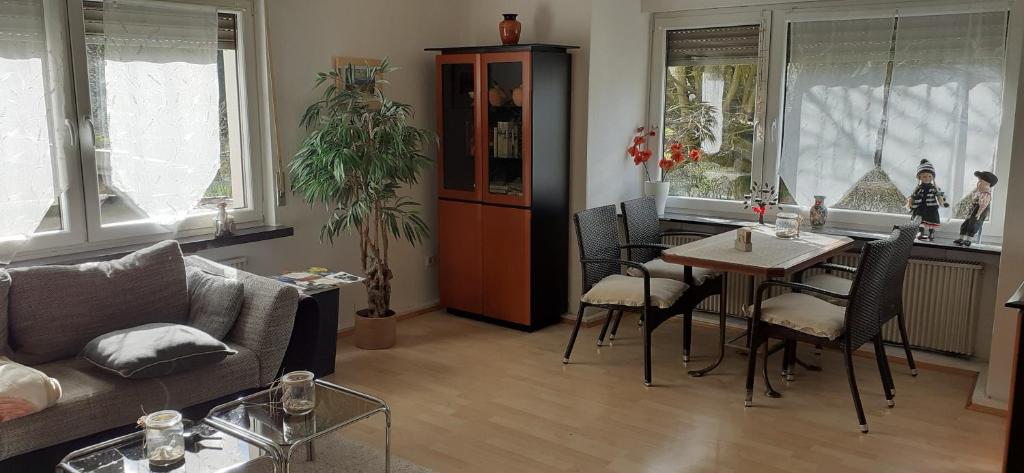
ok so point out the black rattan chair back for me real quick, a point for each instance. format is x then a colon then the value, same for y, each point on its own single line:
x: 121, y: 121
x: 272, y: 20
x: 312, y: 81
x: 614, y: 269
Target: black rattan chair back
x: 869, y: 295
x: 642, y: 226
x: 597, y: 233
x: 904, y: 244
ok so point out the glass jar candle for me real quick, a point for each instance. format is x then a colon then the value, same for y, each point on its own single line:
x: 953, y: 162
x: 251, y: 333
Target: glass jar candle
x: 298, y: 392
x: 787, y: 225
x: 165, y: 438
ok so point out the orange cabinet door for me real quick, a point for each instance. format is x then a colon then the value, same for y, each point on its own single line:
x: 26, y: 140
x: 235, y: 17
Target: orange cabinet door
x: 459, y: 256
x: 459, y: 127
x: 507, y: 124
x: 506, y: 268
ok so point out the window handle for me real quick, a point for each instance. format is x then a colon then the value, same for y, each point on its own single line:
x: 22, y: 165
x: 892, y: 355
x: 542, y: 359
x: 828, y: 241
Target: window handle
x: 71, y: 131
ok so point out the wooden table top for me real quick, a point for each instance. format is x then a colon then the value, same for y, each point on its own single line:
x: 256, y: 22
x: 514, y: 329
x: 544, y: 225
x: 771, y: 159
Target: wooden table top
x: 771, y: 257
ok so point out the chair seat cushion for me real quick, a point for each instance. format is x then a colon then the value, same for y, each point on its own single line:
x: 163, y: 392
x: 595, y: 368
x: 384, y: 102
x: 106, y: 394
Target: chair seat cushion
x: 659, y: 268
x: 619, y: 289
x: 831, y: 283
x: 805, y: 313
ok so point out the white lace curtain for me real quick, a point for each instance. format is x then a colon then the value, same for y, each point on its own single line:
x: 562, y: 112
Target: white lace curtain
x: 944, y: 103
x: 31, y: 125
x: 162, y: 103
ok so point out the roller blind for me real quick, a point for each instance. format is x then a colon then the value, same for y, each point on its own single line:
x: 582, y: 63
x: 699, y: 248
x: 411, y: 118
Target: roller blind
x: 684, y: 46
x: 227, y: 24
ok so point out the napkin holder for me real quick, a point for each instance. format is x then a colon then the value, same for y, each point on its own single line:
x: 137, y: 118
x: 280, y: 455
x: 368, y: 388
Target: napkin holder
x: 744, y: 240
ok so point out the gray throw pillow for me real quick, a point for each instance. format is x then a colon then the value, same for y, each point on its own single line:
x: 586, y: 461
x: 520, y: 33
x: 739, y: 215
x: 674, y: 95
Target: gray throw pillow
x: 5, y: 287
x: 153, y: 350
x: 214, y: 302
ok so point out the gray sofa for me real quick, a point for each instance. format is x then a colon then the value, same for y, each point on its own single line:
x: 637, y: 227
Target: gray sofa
x: 54, y: 311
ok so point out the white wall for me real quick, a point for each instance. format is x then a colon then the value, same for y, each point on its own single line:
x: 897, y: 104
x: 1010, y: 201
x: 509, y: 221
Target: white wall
x: 617, y: 98
x: 304, y: 36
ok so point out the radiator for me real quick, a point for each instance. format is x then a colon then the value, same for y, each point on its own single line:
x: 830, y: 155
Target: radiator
x: 238, y: 263
x: 939, y: 298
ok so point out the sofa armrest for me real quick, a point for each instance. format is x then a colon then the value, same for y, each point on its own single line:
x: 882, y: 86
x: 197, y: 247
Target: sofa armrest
x: 267, y: 317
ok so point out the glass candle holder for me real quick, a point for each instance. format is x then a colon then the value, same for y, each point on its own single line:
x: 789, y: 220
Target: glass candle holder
x: 165, y: 438
x: 787, y: 225
x: 298, y: 392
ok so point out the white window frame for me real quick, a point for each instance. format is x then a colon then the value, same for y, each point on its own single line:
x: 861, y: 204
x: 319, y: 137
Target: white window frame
x: 82, y: 230
x: 768, y: 127
x: 663, y: 23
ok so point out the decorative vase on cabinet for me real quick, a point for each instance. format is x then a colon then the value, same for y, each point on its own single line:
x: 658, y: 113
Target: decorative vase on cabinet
x: 503, y: 182
x: 509, y: 29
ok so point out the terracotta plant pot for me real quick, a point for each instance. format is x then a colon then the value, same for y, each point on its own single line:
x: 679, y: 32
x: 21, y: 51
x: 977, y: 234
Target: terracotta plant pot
x: 375, y: 333
x: 509, y: 29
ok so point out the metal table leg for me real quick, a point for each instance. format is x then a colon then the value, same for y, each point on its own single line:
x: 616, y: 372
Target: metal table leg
x: 721, y: 331
x: 387, y: 439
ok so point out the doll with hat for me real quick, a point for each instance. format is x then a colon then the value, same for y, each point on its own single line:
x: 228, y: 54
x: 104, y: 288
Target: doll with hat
x: 981, y: 200
x: 925, y: 200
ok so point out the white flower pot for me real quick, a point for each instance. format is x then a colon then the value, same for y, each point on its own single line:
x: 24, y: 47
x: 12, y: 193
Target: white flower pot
x: 658, y: 190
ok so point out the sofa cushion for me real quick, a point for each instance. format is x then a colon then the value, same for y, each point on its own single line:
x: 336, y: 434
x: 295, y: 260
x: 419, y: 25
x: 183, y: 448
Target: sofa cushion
x: 214, y: 302
x: 94, y: 400
x: 152, y: 350
x: 55, y: 310
x: 5, y: 286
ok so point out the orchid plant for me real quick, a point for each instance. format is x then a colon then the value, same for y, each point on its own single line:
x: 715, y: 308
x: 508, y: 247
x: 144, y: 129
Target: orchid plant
x: 677, y: 153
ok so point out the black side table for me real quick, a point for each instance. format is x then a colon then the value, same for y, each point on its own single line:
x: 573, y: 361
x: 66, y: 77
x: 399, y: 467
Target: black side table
x: 314, y: 340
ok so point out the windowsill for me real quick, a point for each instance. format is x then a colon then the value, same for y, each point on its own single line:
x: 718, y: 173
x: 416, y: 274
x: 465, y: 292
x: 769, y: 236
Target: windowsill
x: 190, y: 244
x: 861, y: 235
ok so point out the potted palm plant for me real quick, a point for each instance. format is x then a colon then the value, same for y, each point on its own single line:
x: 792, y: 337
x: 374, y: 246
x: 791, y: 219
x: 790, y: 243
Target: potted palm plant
x: 359, y: 153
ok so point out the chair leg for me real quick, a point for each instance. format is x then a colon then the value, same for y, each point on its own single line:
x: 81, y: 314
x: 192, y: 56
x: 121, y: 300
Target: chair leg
x: 791, y: 368
x: 687, y: 334
x: 906, y: 341
x: 751, y: 364
x: 572, y: 338
x: 604, y: 328
x: 615, y: 325
x: 787, y: 364
x: 853, y: 390
x: 647, y: 347
x: 883, y: 370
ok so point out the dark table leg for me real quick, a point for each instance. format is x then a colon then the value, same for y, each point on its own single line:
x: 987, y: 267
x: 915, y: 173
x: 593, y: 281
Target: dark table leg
x: 721, y: 331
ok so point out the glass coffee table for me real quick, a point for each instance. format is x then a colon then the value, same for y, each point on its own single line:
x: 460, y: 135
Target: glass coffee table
x: 259, y: 418
x: 208, y: 451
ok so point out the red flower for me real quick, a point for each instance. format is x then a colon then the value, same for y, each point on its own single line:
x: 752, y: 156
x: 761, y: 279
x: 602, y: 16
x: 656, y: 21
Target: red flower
x: 758, y: 210
x: 640, y: 130
x: 632, y: 151
x: 666, y: 164
x: 646, y: 154
x: 678, y: 156
x: 676, y: 147
x: 639, y: 140
x: 695, y: 154
x: 652, y: 133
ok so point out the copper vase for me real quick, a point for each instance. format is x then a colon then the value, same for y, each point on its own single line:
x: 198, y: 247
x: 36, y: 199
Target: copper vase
x: 509, y: 29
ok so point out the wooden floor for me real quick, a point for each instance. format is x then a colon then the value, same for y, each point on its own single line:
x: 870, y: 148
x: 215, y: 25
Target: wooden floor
x: 471, y: 397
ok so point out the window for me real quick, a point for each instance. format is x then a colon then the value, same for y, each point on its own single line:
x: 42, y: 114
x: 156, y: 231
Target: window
x: 852, y: 100
x: 710, y: 95
x: 157, y: 91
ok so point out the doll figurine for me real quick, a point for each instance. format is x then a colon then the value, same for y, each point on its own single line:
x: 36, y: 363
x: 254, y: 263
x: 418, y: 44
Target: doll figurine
x: 981, y: 197
x: 924, y: 202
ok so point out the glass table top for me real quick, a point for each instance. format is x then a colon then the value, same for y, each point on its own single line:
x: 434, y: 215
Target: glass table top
x: 262, y: 414
x: 211, y: 452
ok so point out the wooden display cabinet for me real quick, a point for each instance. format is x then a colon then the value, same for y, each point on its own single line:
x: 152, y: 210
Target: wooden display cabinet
x: 503, y: 182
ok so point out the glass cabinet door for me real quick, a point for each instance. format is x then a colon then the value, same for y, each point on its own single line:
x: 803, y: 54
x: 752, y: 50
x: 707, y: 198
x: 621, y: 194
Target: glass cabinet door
x: 459, y: 158
x: 507, y: 116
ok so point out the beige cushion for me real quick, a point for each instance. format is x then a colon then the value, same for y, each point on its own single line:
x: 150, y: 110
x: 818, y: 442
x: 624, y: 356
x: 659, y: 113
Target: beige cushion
x: 658, y: 268
x: 619, y: 289
x: 831, y: 283
x: 805, y: 313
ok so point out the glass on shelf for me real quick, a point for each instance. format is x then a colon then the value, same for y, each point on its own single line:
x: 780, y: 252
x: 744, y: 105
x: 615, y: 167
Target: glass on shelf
x: 505, y: 126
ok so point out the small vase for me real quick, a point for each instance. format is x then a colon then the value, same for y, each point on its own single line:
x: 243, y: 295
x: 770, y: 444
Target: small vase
x: 509, y: 29
x: 818, y: 214
x: 658, y: 190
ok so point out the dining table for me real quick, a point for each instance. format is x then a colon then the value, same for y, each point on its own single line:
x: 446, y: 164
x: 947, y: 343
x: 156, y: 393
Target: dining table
x: 770, y: 257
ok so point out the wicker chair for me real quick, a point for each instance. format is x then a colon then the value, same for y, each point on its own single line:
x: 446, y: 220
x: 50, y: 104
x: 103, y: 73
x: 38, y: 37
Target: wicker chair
x: 894, y: 309
x: 642, y: 227
x: 604, y: 285
x: 800, y: 316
